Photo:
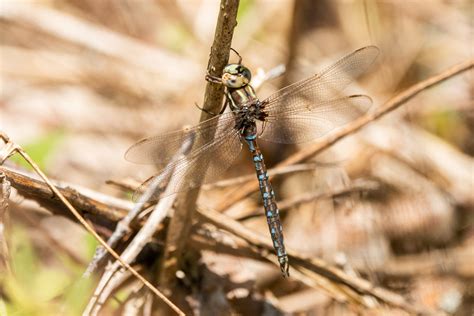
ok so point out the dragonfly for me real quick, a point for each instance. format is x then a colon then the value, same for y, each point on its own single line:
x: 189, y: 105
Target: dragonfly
x: 298, y: 113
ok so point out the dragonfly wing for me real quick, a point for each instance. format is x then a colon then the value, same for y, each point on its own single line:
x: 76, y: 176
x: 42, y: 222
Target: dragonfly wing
x: 205, y: 164
x: 160, y: 149
x: 327, y: 85
x: 306, y: 122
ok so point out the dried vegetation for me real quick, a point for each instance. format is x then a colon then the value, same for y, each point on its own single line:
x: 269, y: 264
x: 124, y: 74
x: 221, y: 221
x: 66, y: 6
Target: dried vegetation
x: 379, y: 222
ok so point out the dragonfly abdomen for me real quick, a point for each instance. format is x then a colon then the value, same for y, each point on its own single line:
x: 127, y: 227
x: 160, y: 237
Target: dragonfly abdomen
x: 269, y: 202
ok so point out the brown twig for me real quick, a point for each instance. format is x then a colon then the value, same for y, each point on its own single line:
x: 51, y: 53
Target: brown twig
x: 124, y: 225
x: 250, y: 177
x: 259, y: 248
x: 316, y: 265
x: 284, y: 205
x: 332, y: 138
x: 4, y: 195
x: 181, y: 223
x: 35, y: 189
x: 129, y: 184
x: 86, y: 225
x: 113, y: 276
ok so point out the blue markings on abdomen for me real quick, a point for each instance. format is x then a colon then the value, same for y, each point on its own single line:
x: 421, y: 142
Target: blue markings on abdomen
x: 269, y: 203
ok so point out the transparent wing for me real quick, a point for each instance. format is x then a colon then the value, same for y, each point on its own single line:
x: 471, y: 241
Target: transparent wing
x: 312, y: 107
x: 300, y: 126
x: 160, y: 149
x: 326, y: 85
x: 206, y: 162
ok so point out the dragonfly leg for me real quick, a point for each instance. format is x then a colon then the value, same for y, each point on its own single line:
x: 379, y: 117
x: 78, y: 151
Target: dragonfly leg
x: 209, y: 112
x: 237, y: 53
x: 213, y: 79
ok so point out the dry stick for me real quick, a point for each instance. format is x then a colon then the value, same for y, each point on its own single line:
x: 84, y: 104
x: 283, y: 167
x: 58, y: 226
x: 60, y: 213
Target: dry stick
x: 316, y: 265
x: 86, y: 225
x: 112, y: 277
x: 283, y: 205
x: 34, y: 189
x: 180, y: 225
x: 340, y: 292
x: 39, y: 191
x: 123, y: 226
x: 4, y: 195
x: 257, y: 249
x: 332, y: 138
x: 204, y: 239
x: 249, y: 177
x: 131, y: 185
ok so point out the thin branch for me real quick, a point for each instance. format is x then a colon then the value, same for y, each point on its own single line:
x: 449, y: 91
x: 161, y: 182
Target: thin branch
x: 349, y: 129
x: 284, y: 205
x: 4, y: 195
x: 87, y: 226
x: 113, y: 276
x: 260, y: 248
x: 129, y: 184
x: 124, y: 225
x: 316, y: 265
x: 181, y: 223
x: 249, y: 177
x: 32, y: 188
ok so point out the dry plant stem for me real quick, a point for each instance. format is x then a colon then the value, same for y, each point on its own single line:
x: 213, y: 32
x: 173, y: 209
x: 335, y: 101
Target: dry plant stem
x: 250, y: 177
x: 105, y: 287
x: 131, y: 185
x: 259, y: 248
x: 316, y: 265
x: 332, y: 138
x: 257, y: 252
x: 181, y: 223
x: 123, y: 226
x: 359, y: 186
x: 89, y: 228
x: 113, y: 275
x: 4, y: 195
x: 136, y: 303
x: 37, y: 190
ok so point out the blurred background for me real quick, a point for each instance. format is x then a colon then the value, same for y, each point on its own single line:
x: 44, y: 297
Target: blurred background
x: 81, y: 81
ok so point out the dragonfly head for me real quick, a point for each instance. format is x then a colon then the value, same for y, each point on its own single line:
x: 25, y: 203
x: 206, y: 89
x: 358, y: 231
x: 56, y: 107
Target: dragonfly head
x: 236, y: 76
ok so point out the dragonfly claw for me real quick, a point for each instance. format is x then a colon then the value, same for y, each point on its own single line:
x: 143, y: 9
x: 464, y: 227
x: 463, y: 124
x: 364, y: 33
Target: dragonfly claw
x: 213, y: 79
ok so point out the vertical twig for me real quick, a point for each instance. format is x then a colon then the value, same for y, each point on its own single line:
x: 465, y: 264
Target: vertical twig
x: 4, y: 195
x: 180, y: 225
x: 6, y: 151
